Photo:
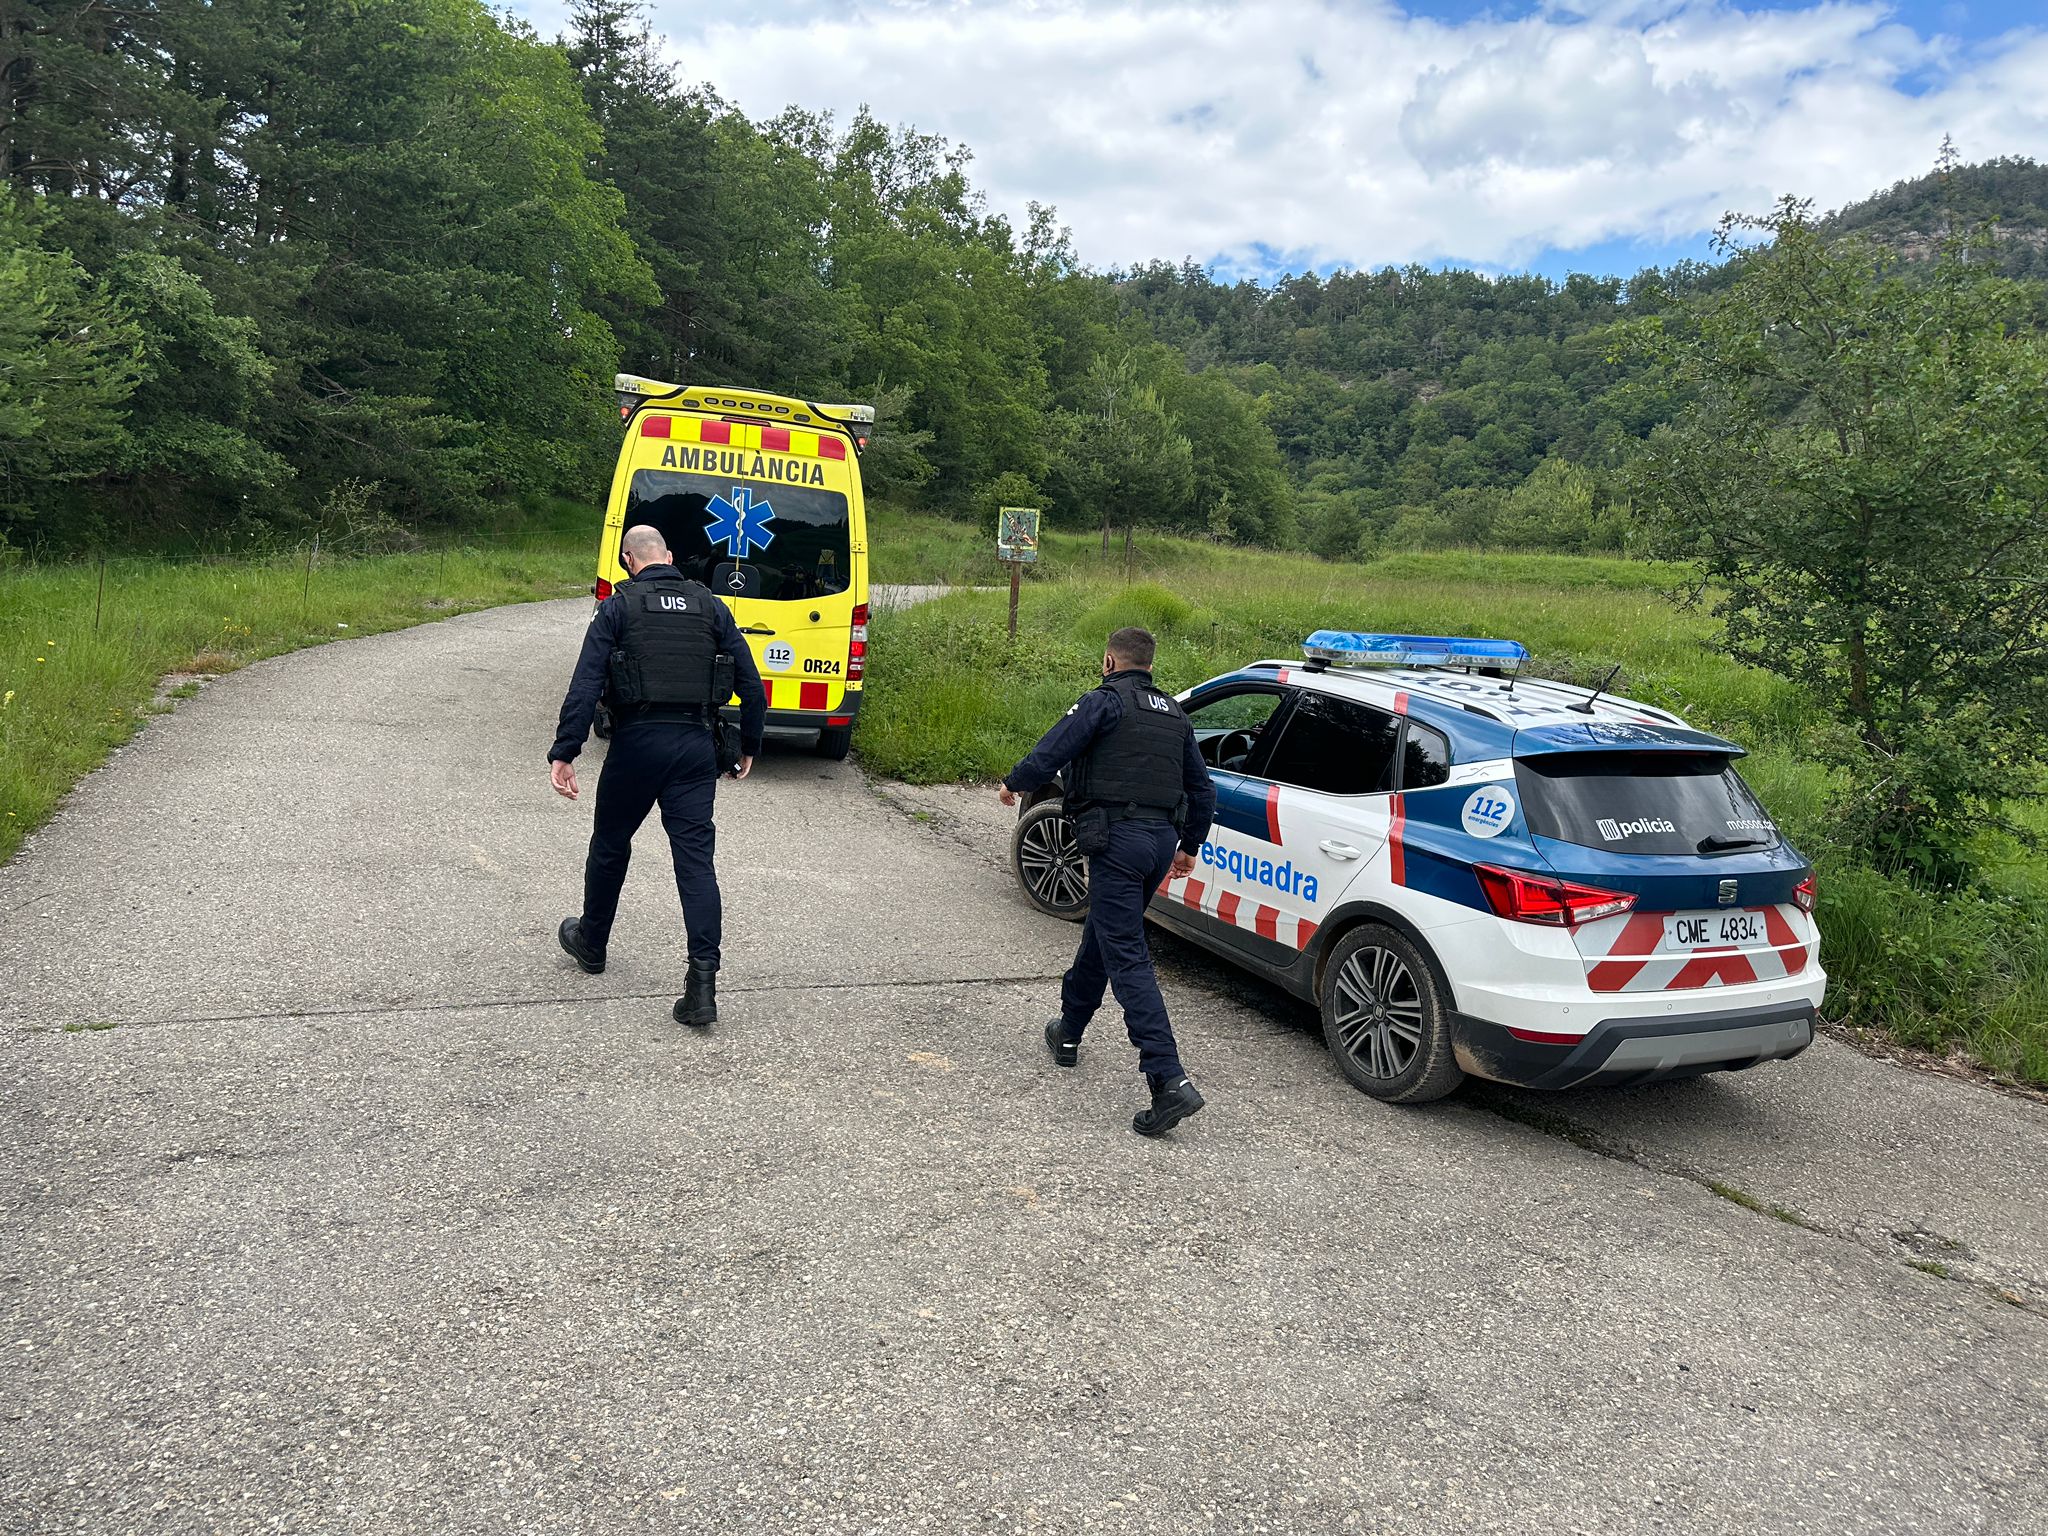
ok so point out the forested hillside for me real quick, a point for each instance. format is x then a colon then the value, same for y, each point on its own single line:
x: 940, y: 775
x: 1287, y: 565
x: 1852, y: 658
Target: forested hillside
x: 276, y: 266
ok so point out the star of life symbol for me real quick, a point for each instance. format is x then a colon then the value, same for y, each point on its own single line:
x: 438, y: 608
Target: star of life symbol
x: 741, y: 523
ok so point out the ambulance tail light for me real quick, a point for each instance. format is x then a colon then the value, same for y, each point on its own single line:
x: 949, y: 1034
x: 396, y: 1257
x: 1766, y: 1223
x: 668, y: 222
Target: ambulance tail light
x: 602, y: 590
x: 1522, y: 897
x: 1803, y: 895
x: 857, y: 646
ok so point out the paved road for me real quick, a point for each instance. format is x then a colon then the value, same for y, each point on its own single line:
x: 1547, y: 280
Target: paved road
x: 335, y: 1200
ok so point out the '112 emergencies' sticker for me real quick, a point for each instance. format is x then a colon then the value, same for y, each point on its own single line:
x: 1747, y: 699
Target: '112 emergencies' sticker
x: 1488, y: 812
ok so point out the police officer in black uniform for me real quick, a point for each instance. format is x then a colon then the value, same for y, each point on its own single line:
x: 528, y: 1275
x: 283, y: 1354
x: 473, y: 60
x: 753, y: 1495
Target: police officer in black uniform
x: 665, y: 653
x: 1140, y: 799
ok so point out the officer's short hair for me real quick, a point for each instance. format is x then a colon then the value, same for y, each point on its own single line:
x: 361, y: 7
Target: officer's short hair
x: 644, y: 542
x: 1134, y: 647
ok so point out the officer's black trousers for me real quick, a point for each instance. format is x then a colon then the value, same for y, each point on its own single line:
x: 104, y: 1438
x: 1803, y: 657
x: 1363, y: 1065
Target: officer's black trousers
x: 1113, y: 950
x: 671, y: 763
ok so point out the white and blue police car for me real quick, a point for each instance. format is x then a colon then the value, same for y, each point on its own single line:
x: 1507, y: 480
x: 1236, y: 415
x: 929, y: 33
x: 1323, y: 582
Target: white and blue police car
x: 1475, y: 872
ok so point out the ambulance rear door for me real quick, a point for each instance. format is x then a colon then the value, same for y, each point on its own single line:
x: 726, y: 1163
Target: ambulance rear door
x: 764, y: 517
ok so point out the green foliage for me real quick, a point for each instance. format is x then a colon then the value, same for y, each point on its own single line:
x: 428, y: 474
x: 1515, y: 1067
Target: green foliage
x: 1938, y: 969
x: 1120, y: 458
x: 68, y: 362
x: 334, y: 277
x: 1862, y: 476
x: 2008, y: 195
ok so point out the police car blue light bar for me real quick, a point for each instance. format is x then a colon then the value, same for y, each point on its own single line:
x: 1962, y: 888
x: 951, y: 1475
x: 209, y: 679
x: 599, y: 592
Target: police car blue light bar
x: 1348, y: 648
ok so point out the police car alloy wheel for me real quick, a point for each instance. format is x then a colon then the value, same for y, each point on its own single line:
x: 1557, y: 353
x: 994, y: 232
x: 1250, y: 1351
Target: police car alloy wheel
x: 1048, y: 865
x: 1384, y: 1017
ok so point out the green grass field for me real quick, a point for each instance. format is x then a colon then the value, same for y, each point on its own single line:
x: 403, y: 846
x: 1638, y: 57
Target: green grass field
x: 951, y: 697
x: 71, y: 690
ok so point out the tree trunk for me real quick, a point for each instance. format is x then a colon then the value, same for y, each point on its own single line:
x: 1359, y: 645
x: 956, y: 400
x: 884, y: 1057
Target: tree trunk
x: 1127, y: 554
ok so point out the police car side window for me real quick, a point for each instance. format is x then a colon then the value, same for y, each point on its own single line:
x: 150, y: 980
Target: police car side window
x: 1229, y: 730
x: 1337, y: 747
x: 1425, y: 758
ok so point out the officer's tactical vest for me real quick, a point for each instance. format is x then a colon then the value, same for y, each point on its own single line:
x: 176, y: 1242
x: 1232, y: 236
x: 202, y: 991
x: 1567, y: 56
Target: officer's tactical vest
x: 1136, y: 769
x: 668, y: 646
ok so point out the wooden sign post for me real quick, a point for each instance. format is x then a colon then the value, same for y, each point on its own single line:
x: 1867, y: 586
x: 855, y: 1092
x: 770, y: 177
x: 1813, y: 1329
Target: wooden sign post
x: 1016, y: 547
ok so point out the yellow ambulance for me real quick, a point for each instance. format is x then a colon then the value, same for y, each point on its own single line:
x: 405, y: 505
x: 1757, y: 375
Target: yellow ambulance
x: 759, y: 497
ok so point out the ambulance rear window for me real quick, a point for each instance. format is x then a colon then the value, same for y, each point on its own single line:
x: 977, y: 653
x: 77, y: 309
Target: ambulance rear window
x: 741, y: 538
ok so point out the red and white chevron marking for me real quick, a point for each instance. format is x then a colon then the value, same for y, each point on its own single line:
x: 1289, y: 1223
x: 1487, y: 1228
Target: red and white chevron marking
x: 1627, y: 954
x: 1209, y: 898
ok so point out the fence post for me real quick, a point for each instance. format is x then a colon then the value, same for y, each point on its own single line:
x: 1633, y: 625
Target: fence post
x: 100, y: 601
x: 306, y: 593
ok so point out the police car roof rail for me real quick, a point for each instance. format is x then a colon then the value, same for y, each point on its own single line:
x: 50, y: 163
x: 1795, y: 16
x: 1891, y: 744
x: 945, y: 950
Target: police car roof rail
x: 1526, y: 690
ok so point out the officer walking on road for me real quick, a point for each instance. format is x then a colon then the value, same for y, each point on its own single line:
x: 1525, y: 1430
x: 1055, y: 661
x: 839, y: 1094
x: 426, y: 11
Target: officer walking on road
x: 1140, y: 800
x: 666, y: 654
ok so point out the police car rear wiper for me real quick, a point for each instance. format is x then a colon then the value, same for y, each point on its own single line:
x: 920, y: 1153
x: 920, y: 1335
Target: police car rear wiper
x: 1724, y: 844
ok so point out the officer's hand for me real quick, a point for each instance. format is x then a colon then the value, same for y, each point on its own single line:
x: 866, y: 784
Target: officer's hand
x: 1183, y: 864
x: 1007, y: 795
x: 564, y: 777
x: 746, y: 766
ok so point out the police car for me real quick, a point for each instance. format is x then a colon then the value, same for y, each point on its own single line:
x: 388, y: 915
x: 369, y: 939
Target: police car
x: 1475, y: 872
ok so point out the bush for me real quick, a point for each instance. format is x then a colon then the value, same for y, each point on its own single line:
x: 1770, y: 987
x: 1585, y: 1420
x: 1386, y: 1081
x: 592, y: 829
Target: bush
x: 1939, y: 969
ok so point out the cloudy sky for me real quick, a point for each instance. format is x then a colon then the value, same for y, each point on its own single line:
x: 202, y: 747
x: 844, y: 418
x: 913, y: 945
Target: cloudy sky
x: 1588, y: 135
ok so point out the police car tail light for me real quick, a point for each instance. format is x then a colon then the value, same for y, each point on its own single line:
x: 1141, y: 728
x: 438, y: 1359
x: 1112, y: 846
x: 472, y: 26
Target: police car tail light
x: 1803, y: 895
x: 857, y: 647
x: 602, y: 590
x: 1521, y: 897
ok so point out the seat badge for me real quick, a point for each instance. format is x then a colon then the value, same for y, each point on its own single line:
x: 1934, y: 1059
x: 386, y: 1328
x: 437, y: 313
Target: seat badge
x: 1727, y: 893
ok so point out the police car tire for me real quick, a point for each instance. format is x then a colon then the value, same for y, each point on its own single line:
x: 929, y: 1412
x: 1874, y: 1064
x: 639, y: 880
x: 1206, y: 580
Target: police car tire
x: 1433, y: 1069
x: 834, y: 741
x: 1031, y: 825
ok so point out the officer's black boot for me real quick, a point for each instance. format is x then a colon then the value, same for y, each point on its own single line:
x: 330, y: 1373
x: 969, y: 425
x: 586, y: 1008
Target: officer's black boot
x: 571, y: 935
x: 1066, y: 1050
x: 1173, y: 1100
x: 698, y: 1006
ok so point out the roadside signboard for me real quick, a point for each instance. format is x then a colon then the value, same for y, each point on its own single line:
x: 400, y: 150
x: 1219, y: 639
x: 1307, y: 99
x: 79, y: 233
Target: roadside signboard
x: 1016, y: 547
x: 1017, y: 534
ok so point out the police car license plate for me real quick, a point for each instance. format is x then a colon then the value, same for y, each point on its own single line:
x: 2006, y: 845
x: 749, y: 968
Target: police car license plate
x: 1713, y: 930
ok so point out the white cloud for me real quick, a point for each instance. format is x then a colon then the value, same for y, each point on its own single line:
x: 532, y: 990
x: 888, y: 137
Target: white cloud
x: 1340, y: 131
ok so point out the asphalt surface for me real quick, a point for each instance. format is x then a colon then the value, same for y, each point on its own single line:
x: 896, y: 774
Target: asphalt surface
x: 335, y: 1199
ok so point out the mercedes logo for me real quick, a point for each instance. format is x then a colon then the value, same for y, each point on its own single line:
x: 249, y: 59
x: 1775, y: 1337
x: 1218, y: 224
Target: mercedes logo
x: 737, y: 581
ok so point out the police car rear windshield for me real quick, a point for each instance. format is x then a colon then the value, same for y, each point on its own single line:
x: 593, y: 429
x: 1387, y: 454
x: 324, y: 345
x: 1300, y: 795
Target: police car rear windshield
x: 741, y: 538
x: 1643, y: 802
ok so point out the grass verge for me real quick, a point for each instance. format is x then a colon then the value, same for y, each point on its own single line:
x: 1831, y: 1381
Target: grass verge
x: 80, y: 664
x: 950, y: 697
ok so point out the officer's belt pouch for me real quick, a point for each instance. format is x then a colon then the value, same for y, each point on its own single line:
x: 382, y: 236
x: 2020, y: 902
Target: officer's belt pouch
x: 725, y: 743
x: 721, y: 680
x: 1091, y: 830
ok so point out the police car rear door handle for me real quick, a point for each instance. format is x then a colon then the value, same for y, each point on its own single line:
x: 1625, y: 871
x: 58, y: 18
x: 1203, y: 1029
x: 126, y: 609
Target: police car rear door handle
x: 1337, y: 850
x: 756, y: 629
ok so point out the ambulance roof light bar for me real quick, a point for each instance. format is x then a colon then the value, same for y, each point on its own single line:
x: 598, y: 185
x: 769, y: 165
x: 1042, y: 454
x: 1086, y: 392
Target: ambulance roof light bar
x: 631, y: 389
x: 1350, y: 648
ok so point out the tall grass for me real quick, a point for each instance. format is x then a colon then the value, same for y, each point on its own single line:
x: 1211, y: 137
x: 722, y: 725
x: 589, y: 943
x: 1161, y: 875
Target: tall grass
x: 80, y: 662
x: 950, y: 697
